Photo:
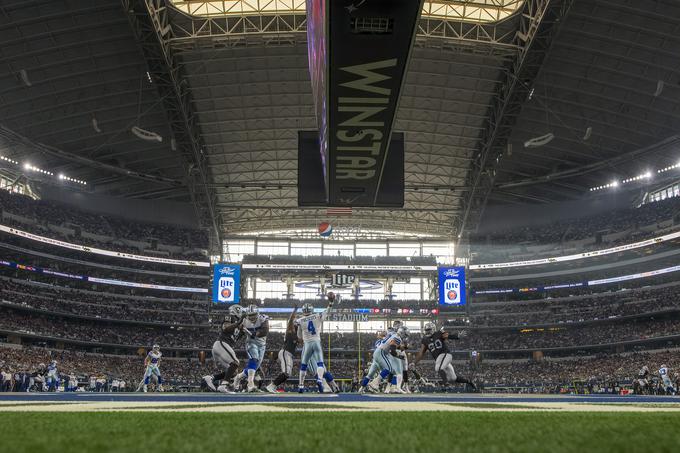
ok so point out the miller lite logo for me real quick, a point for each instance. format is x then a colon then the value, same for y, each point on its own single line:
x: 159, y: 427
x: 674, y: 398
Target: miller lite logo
x: 225, y: 288
x: 451, y: 291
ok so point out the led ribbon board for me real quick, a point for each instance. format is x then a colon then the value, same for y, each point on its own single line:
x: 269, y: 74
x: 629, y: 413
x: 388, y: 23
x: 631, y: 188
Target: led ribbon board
x: 336, y: 267
x: 579, y: 256
x: 226, y: 283
x: 603, y: 281
x: 452, y: 286
x: 106, y: 281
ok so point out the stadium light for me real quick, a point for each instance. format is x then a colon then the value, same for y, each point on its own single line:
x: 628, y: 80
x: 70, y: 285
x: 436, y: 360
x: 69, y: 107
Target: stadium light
x: 7, y: 159
x: 669, y: 168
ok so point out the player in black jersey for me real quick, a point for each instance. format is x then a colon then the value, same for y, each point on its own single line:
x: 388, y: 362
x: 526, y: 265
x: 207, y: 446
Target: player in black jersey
x: 223, y: 350
x: 641, y: 384
x: 290, y: 342
x: 435, y: 341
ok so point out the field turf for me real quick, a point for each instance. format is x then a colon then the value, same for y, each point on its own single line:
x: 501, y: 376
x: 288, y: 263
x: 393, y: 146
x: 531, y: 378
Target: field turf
x: 340, y: 432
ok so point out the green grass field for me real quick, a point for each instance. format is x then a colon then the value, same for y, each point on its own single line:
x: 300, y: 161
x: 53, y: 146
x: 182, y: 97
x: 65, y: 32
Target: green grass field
x: 340, y: 432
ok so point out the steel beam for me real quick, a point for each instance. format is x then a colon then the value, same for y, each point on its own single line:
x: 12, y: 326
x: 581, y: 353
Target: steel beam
x: 540, y: 20
x: 150, y: 22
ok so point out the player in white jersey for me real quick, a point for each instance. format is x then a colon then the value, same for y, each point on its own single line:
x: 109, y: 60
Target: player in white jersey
x: 255, y: 327
x: 152, y: 363
x: 375, y: 368
x: 52, y: 378
x: 386, y: 360
x: 664, y: 372
x: 309, y: 329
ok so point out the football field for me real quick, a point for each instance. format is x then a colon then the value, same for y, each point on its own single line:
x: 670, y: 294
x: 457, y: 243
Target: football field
x: 337, y: 423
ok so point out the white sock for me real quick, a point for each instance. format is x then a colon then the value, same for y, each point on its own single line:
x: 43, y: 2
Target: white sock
x: 301, y: 381
x: 319, y: 373
x: 400, y: 380
x: 251, y: 378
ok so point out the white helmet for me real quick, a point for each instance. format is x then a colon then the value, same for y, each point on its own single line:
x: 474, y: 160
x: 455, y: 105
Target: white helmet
x: 397, y: 324
x: 308, y: 309
x: 156, y: 347
x: 403, y: 332
x: 252, y: 311
x: 429, y: 328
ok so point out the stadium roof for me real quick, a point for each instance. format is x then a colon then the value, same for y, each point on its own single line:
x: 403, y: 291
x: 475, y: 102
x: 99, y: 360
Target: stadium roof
x: 225, y: 85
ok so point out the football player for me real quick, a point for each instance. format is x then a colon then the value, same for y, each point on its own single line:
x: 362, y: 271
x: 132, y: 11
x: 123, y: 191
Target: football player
x: 435, y: 341
x: 290, y: 341
x: 374, y: 369
x: 385, y: 356
x: 666, y: 379
x: 309, y: 330
x: 255, y: 328
x: 52, y: 377
x: 402, y: 355
x: 152, y: 363
x: 641, y: 384
x: 223, y: 350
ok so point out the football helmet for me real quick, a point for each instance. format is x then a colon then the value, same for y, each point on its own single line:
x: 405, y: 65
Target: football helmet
x: 252, y: 312
x: 156, y: 347
x: 429, y: 328
x: 397, y: 325
x: 308, y: 309
x: 403, y: 332
x: 236, y: 310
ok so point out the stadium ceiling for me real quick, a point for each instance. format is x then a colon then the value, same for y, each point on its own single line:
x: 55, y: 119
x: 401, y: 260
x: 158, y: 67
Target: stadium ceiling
x: 226, y: 86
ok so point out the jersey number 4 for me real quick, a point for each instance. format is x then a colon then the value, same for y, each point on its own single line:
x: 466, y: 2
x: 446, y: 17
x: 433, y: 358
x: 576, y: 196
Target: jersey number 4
x: 310, y: 328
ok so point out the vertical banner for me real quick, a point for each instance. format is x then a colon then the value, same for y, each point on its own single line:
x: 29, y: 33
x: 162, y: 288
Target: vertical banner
x: 452, y: 286
x: 226, y: 283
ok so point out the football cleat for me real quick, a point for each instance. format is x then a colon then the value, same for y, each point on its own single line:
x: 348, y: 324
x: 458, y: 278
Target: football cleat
x: 209, y: 382
x: 372, y: 388
x: 225, y: 389
x: 271, y: 388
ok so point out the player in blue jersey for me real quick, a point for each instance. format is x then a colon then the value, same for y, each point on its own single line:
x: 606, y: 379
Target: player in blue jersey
x: 309, y: 330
